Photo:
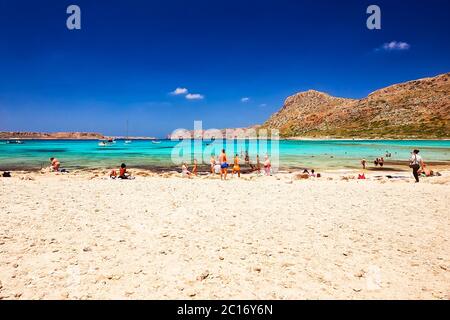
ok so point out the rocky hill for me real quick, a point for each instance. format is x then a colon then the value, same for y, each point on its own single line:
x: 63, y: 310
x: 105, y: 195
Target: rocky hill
x: 53, y: 135
x: 415, y: 109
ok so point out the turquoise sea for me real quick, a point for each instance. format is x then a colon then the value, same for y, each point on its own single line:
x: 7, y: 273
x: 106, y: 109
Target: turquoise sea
x: 323, y: 154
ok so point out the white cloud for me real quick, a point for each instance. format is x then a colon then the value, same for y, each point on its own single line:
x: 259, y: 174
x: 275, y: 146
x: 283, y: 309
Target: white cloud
x: 395, y: 46
x: 194, y: 96
x: 179, y: 91
x: 245, y: 99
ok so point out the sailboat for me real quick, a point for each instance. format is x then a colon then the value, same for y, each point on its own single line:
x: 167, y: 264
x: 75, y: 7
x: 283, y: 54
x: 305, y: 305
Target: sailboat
x: 127, y: 140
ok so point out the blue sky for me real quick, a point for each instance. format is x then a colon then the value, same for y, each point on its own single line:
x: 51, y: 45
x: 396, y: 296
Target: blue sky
x: 130, y: 55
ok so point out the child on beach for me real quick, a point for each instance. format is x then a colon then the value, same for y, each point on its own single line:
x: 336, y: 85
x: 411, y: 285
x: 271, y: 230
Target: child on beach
x: 123, y: 174
x: 217, y: 168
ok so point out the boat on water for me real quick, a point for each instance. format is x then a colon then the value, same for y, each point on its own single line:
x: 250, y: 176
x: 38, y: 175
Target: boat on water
x: 156, y: 141
x: 127, y: 138
x: 14, y: 142
x: 105, y: 142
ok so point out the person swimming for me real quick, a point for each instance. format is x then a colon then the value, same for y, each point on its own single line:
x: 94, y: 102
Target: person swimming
x: 236, y: 167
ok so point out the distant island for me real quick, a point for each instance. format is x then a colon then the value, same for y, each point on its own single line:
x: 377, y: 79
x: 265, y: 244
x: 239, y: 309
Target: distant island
x: 51, y: 135
x: 20, y: 135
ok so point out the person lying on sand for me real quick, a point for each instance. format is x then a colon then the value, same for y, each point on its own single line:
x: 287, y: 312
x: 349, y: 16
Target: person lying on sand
x: 425, y: 171
x: 217, y: 168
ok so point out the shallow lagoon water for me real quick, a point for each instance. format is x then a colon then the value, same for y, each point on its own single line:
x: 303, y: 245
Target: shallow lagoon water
x: 322, y: 154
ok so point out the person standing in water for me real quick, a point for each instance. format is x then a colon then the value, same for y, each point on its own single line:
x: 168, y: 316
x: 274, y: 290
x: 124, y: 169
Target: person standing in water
x: 223, y: 165
x: 363, y: 163
x: 415, y: 162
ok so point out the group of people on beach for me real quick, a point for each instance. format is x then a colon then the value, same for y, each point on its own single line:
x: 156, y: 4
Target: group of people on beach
x: 416, y: 163
x: 221, y: 166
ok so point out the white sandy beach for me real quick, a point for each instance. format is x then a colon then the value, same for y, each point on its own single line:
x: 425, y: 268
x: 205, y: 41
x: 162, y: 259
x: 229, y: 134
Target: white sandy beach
x: 81, y: 236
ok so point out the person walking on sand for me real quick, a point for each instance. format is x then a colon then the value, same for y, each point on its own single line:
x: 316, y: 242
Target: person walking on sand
x: 415, y: 162
x: 236, y: 167
x: 223, y: 165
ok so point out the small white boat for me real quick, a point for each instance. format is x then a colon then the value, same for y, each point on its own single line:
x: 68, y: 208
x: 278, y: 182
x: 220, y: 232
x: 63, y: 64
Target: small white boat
x: 156, y: 142
x: 127, y: 138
